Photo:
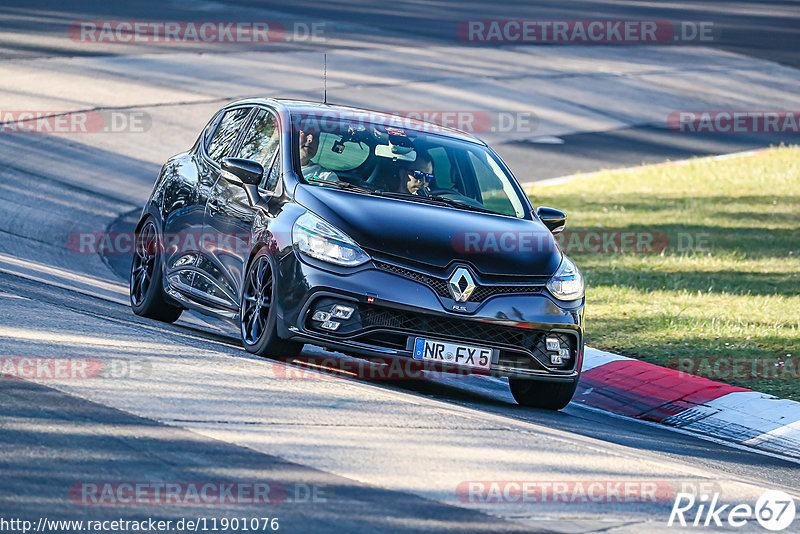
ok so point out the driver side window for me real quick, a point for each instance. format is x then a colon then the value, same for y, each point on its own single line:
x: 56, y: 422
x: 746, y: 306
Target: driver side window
x: 261, y: 140
x: 261, y: 144
x: 272, y: 174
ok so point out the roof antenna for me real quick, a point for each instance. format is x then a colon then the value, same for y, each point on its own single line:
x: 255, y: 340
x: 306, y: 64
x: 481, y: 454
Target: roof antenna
x: 325, y: 78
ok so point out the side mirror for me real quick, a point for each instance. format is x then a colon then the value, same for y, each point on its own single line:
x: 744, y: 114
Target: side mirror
x: 555, y: 220
x: 242, y: 171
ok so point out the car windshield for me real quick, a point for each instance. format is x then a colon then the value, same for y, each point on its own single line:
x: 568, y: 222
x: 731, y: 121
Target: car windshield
x: 392, y: 160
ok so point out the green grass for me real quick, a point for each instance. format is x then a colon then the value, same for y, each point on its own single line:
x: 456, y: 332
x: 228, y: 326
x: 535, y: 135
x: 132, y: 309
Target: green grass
x: 737, y: 295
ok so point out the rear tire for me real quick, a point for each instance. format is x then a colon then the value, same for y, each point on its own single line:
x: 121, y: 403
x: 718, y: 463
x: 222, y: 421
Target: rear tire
x: 537, y: 394
x: 146, y: 288
x: 258, y: 317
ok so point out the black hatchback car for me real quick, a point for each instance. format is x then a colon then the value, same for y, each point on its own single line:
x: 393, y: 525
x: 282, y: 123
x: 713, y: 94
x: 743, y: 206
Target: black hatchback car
x: 366, y: 233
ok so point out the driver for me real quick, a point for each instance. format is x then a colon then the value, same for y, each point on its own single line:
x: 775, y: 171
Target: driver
x: 309, y: 144
x: 417, y: 176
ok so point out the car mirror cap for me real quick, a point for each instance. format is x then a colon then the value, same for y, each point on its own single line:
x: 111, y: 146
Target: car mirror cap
x: 555, y: 220
x: 242, y: 171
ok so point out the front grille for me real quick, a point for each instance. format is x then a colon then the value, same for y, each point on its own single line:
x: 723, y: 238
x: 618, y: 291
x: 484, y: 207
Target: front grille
x: 482, y: 293
x: 439, y: 285
x: 531, y: 341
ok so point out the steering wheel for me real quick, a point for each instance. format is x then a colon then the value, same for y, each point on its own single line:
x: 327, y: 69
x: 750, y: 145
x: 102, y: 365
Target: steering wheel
x: 433, y: 192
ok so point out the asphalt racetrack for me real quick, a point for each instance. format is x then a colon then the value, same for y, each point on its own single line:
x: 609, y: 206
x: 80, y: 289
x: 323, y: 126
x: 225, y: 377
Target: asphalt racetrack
x: 189, y: 405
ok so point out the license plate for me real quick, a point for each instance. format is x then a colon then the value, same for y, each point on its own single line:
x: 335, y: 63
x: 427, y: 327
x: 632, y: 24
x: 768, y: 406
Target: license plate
x: 453, y: 353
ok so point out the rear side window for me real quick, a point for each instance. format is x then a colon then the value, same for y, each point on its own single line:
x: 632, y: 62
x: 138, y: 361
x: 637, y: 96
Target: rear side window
x: 226, y: 134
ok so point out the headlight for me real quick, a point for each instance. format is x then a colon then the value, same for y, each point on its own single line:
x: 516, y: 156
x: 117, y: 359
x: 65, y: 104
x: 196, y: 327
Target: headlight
x: 567, y: 283
x: 318, y: 239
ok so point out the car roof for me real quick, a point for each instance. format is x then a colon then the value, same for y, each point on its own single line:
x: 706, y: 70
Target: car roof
x: 304, y: 106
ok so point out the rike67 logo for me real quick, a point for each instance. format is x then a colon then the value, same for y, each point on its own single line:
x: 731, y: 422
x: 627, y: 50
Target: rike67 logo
x: 774, y: 510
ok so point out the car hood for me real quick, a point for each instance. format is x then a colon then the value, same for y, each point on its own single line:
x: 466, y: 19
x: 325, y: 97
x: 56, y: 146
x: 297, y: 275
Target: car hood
x: 436, y: 235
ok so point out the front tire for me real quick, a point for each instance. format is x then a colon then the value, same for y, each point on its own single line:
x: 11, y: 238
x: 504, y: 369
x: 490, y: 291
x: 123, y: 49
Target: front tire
x: 547, y: 395
x: 146, y: 289
x: 257, y: 315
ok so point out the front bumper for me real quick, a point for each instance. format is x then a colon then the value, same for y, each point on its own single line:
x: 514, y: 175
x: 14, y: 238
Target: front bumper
x: 391, y: 310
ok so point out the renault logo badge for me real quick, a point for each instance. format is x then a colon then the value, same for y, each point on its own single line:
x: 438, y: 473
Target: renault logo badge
x: 461, y: 285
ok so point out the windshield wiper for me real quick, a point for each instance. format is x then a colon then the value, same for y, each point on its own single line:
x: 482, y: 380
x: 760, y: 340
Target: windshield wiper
x: 433, y: 200
x: 459, y: 204
x: 339, y: 184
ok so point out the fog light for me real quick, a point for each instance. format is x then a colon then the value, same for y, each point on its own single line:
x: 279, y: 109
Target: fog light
x: 553, y: 344
x: 558, y: 359
x: 342, y: 312
x: 330, y: 325
x: 321, y: 316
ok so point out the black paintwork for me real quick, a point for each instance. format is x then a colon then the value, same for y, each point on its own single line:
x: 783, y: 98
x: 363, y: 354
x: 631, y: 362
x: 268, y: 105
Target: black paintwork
x: 192, y: 196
